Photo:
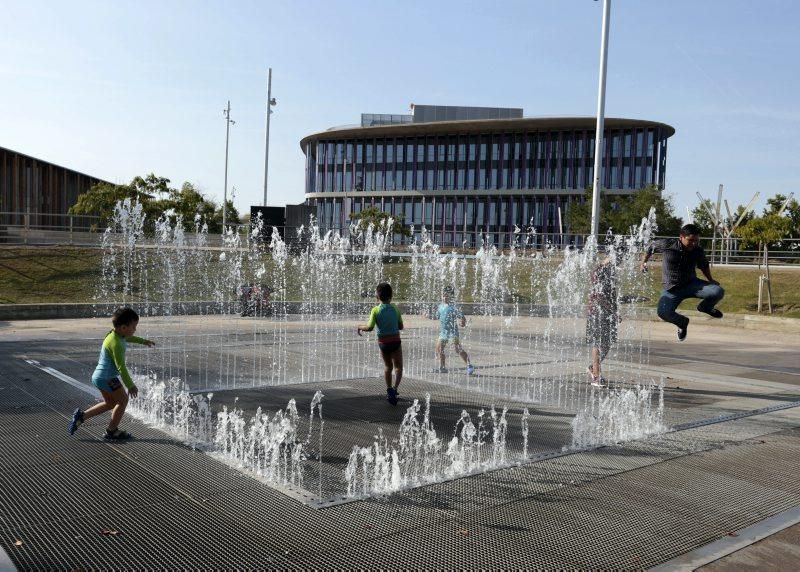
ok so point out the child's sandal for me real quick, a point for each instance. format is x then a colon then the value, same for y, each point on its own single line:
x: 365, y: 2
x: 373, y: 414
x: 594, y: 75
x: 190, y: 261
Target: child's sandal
x: 116, y: 435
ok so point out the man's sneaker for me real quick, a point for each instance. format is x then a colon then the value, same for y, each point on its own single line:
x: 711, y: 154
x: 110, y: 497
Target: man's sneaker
x: 77, y: 419
x: 391, y: 395
x: 442, y: 370
x: 470, y: 369
x: 713, y: 312
x: 682, y: 332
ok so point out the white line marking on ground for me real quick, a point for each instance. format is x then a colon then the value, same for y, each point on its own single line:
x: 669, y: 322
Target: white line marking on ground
x: 90, y: 389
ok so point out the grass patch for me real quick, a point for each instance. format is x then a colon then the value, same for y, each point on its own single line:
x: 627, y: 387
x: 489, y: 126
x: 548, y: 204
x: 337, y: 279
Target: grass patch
x: 31, y: 275
x: 741, y: 290
x: 69, y: 274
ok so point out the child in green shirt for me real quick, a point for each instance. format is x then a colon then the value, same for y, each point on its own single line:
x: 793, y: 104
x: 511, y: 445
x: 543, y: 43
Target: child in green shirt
x: 110, y: 368
x: 386, y: 317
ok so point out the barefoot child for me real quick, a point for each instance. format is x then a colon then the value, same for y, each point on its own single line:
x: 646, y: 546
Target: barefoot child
x: 110, y: 368
x: 603, y: 315
x: 386, y: 317
x: 450, y: 316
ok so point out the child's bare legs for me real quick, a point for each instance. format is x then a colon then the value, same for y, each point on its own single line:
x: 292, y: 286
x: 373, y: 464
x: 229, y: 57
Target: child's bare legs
x: 460, y: 351
x: 598, y: 355
x: 596, y: 362
x: 387, y: 369
x: 121, y: 399
x: 397, y: 361
x: 98, y: 408
x: 440, y: 345
x: 116, y: 401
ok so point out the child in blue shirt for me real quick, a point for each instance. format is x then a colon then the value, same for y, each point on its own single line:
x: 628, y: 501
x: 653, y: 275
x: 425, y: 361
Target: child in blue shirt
x: 386, y: 317
x: 111, y: 373
x: 450, y: 316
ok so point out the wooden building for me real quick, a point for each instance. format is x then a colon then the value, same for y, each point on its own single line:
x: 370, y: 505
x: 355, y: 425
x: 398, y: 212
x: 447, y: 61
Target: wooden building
x: 41, y: 191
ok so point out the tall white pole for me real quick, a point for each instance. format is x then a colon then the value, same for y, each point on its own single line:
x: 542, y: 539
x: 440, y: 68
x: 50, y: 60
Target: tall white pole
x: 270, y: 103
x: 228, y: 122
x: 601, y: 107
x: 716, y: 224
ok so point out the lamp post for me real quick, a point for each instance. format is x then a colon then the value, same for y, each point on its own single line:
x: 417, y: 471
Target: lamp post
x: 601, y: 107
x: 270, y: 103
x: 228, y: 122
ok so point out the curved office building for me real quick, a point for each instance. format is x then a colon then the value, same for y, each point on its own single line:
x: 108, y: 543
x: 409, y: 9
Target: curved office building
x: 465, y: 171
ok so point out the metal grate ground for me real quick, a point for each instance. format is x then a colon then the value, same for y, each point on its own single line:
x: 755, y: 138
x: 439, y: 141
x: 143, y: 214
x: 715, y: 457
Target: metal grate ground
x: 627, y: 506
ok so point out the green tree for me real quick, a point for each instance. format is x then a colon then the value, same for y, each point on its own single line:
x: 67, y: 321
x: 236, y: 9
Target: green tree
x: 702, y: 217
x: 748, y: 216
x: 157, y: 199
x: 231, y: 217
x: 101, y: 198
x: 621, y: 212
x: 378, y: 218
x: 766, y: 230
x: 791, y: 212
x: 187, y: 203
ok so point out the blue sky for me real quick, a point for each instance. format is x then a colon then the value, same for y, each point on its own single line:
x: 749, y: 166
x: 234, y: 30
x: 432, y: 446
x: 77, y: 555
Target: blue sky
x: 117, y: 89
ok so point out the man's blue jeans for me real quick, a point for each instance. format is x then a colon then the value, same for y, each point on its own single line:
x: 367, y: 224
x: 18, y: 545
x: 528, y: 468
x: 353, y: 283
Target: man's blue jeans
x: 710, y: 294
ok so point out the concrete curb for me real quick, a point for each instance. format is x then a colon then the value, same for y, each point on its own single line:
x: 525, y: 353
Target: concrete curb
x: 730, y: 544
x: 9, y: 312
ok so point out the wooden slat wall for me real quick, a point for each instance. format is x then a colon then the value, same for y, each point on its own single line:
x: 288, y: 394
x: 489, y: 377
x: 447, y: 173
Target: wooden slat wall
x: 51, y: 189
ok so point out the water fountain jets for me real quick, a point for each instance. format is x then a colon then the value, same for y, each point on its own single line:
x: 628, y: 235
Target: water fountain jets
x: 419, y: 456
x: 525, y: 334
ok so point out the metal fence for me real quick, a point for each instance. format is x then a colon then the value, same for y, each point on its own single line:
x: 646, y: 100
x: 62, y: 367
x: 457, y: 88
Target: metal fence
x: 48, y: 228
x: 83, y: 230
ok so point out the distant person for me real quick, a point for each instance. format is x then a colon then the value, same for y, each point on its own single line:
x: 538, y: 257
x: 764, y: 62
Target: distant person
x: 450, y: 317
x: 602, y: 315
x: 680, y: 258
x: 110, y: 368
x: 386, y: 317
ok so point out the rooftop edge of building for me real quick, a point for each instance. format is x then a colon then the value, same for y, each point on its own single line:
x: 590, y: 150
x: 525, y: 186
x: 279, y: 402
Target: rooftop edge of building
x: 481, y: 125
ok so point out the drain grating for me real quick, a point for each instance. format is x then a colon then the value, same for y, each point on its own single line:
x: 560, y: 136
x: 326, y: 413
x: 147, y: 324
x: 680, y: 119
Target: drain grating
x: 630, y: 505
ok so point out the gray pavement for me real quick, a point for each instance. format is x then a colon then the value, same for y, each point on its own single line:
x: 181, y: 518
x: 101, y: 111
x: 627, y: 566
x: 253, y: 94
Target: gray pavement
x: 83, y: 503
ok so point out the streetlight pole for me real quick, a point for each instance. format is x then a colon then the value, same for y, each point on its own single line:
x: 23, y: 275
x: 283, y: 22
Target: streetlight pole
x: 270, y: 103
x: 601, y: 107
x: 228, y: 121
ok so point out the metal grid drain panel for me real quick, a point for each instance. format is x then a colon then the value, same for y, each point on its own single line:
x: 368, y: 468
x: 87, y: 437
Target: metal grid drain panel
x: 627, y: 506
x: 172, y: 535
x: 33, y: 495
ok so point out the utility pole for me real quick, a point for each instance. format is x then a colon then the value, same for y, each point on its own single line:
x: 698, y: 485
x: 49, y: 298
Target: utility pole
x: 270, y: 103
x: 228, y: 122
x: 601, y: 107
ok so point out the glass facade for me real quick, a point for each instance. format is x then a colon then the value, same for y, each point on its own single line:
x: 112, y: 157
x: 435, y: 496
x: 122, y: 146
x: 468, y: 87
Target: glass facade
x: 458, y: 185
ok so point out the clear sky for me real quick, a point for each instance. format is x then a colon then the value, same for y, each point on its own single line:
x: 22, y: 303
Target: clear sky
x: 122, y: 88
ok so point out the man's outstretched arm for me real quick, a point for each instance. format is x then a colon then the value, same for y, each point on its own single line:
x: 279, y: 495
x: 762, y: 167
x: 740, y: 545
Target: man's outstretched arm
x: 655, y: 246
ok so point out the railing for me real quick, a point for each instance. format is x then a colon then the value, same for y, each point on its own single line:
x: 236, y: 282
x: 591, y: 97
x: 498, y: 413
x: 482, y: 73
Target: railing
x: 47, y: 228
x: 83, y: 230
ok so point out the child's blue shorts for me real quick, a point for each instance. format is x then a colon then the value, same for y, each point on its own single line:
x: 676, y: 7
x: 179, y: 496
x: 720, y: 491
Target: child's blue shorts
x: 109, y: 385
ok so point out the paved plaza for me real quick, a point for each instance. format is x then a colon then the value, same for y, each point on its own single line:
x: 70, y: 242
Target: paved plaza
x: 729, y: 463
